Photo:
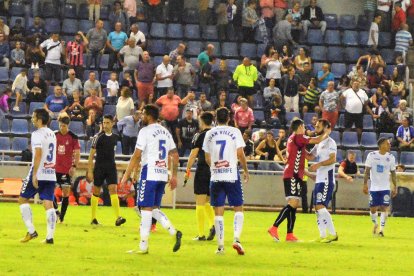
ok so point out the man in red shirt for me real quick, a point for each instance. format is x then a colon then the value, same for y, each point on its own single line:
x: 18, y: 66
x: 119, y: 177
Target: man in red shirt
x: 293, y: 175
x: 74, y: 53
x: 399, y: 17
x: 67, y: 159
x: 170, y: 111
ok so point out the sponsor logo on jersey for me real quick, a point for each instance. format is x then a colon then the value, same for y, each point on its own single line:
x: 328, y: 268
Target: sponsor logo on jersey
x: 222, y: 164
x: 49, y: 165
x: 160, y: 164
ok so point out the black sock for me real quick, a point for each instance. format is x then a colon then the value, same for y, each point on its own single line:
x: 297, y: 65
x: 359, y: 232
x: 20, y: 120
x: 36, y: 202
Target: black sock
x: 282, y: 215
x: 291, y: 220
x: 55, y: 205
x: 65, y: 203
x: 154, y: 221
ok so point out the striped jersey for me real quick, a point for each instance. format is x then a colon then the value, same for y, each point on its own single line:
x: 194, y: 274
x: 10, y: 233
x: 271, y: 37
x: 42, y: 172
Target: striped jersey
x: 312, y: 95
x: 296, y: 152
x: 402, y: 41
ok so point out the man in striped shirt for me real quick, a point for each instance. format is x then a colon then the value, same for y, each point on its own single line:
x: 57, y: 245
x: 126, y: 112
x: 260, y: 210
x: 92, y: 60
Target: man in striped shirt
x: 74, y: 53
x: 403, y: 40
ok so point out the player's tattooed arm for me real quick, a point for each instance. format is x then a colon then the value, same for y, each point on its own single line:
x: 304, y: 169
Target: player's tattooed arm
x: 366, y: 177
x: 133, y: 164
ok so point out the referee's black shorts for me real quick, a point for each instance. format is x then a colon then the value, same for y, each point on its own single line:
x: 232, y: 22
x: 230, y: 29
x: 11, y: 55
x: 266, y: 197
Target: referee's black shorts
x: 293, y: 187
x: 202, y: 181
x: 104, y: 175
x: 351, y: 118
x: 63, y: 179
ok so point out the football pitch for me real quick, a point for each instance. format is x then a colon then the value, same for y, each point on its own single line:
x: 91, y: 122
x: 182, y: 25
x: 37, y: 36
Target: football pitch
x: 81, y: 249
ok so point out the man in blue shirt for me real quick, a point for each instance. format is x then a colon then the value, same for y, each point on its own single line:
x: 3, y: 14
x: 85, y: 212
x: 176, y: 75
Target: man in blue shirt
x: 57, y: 103
x: 325, y: 76
x: 129, y: 127
x: 116, y: 40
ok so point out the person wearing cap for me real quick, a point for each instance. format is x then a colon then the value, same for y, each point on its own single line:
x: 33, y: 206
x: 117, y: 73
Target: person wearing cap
x: 129, y: 127
x: 243, y: 117
x: 405, y: 135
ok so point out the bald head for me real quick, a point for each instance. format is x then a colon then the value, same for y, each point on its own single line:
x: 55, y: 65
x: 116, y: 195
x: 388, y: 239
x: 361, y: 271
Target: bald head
x: 166, y: 59
x: 404, y: 27
x: 210, y: 49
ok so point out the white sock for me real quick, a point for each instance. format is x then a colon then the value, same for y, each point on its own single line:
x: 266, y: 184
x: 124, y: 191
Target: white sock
x: 321, y: 225
x: 165, y: 222
x: 219, y: 225
x: 238, y: 225
x: 327, y: 219
x: 51, y: 223
x: 26, y: 212
x: 383, y: 219
x: 144, y: 230
x: 374, y: 217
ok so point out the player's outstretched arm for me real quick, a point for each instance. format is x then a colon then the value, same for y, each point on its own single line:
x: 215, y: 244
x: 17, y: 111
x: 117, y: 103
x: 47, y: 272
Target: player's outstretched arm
x: 394, y: 183
x: 89, y: 174
x: 173, y: 154
x: 243, y: 162
x: 133, y: 163
x: 320, y: 138
x: 366, y: 177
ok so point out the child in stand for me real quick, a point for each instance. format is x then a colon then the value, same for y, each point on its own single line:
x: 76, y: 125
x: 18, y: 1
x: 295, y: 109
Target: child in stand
x: 76, y: 108
x: 112, y: 87
x: 276, y: 112
x: 4, y: 106
x: 19, y: 88
x: 17, y: 56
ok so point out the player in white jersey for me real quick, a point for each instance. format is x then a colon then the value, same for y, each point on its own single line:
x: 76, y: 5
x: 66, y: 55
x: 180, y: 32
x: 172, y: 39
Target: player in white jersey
x: 378, y: 167
x: 155, y: 148
x: 41, y: 178
x: 325, y: 153
x: 223, y: 146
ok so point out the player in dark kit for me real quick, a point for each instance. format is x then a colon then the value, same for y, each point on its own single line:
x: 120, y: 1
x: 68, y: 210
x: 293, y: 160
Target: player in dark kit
x: 293, y: 176
x: 103, y: 144
x: 67, y: 159
x: 202, y: 179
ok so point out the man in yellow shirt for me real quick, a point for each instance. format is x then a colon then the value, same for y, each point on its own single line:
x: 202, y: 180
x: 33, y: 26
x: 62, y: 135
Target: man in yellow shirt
x: 245, y: 76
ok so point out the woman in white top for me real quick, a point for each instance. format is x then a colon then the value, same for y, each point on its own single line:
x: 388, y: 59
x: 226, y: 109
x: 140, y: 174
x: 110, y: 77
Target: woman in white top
x: 19, y: 88
x: 273, y: 68
x: 125, y: 105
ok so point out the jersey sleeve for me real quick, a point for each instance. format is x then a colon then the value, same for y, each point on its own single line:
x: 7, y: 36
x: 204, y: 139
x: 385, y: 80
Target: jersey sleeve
x: 302, y: 140
x: 314, y: 151
x: 239, y: 140
x: 95, y: 141
x: 198, y: 142
x: 206, y: 144
x: 141, y: 141
x: 332, y: 147
x: 368, y: 162
x: 392, y: 164
x: 36, y: 140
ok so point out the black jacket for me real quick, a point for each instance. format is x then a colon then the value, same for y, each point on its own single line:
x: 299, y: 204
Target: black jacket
x: 318, y: 13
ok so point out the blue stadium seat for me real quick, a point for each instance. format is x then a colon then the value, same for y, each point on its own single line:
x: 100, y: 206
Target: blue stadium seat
x: 158, y: 30
x: 157, y: 60
x: 388, y: 55
x: 14, y: 72
x: 83, y: 11
x: 109, y: 109
x: 352, y: 54
x: 52, y: 25
x: 290, y: 116
x: 172, y: 45
x: 363, y: 23
x: 331, y: 21
x: 157, y: 47
x: 192, y: 31
x: 70, y: 11
x: 19, y: 114
x: 191, y: 16
x: 104, y: 14
x: 88, y: 146
x: 82, y: 146
x: 315, y: 37
x: 384, y: 39
x: 4, y: 143
x: 77, y: 128
x: 369, y: 140
x: 232, y: 97
x: 337, y: 137
x: 107, y: 26
x: 258, y: 115
x: 118, y: 149
x: 210, y: 32
x: 175, y: 30
x: 20, y: 127
x: 85, y: 25
x: 335, y: 54
x: 338, y: 69
x: 104, y: 62
x: 13, y: 20
x: 347, y: 22
x: 194, y: 48
x: 389, y: 136
x: 54, y: 125
x: 49, y: 9
x: 350, y: 38
x: 318, y: 53
x: 401, y: 206
x: 407, y: 158
x: 217, y: 48
x: 35, y: 105
x: 317, y: 66
x: 258, y: 101
x: 363, y: 38
x: 143, y: 27
x: 350, y: 139
x: 307, y: 117
x: 248, y: 50
x: 332, y: 37
x: 368, y: 122
x: 16, y: 8
x: 275, y: 132
x: 4, y: 74
x: 260, y: 50
x: 232, y: 64
x: 105, y: 76
x: 19, y: 143
x: 4, y: 127
x: 229, y: 49
x: 70, y: 26
x: 339, y: 154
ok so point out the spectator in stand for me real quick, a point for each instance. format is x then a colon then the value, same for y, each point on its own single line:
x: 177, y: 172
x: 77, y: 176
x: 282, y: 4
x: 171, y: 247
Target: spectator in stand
x: 145, y: 76
x: 313, y: 17
x: 310, y: 128
x: 116, y: 40
x: 360, y: 76
x: 186, y: 128
x: 164, y: 75
x: 179, y: 51
x: 206, y: 76
x: 71, y: 84
x: 203, y: 104
x: 94, y: 6
x: 245, y: 76
x: 324, y: 76
x: 311, y: 98
x: 282, y: 33
x: 274, y: 68
x: 17, y: 32
x: 55, y: 50
x: 170, y: 111
x: 119, y: 16
x: 267, y: 148
x: 130, y: 56
x: 348, y: 168
x: 281, y: 144
x: 125, y: 105
x: 302, y: 58
x: 184, y: 75
x: 405, y: 135
x: 249, y: 148
x: 377, y: 97
x: 74, y: 53
x: 93, y: 102
x: 243, y: 116
x: 383, y: 9
x: 222, y: 19
x: 374, y: 32
x: 4, y: 51
x: 402, y: 111
x: 271, y: 91
x: 370, y: 7
x: 267, y: 54
x: 17, y: 56
x: 129, y: 127
x: 400, y: 168
x: 267, y: 11
x: 356, y: 100
x: 204, y: 56
x: 76, y: 110
x: 155, y: 10
x: 37, y: 89
x: 4, y: 28
x: 290, y: 90
x: 34, y: 54
x: 236, y: 103
x: 410, y: 16
x: 222, y: 77
x: 373, y: 60
x: 19, y: 88
x: 297, y: 15
x: 396, y: 80
x: 127, y: 82
x: 399, y: 18
x: 37, y: 29
x: 329, y: 104
x: 126, y: 191
x: 275, y: 112
x: 57, y: 103
x: 383, y: 117
x: 4, y: 105
x: 305, y: 76
x: 376, y: 80
x: 403, y: 40
x: 93, y: 125
x: 395, y: 96
x: 249, y: 21
x: 92, y: 84
x: 130, y: 7
x: 96, y: 44
x: 175, y: 10
x: 280, y: 9
x: 222, y: 100
x: 345, y: 83
x: 231, y: 9
x: 112, y: 87
x: 137, y: 35
x: 189, y: 102
x: 286, y: 55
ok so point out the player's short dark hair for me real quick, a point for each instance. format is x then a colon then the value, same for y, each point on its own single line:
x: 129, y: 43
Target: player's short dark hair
x: 109, y: 117
x: 222, y: 115
x: 152, y: 110
x: 296, y: 124
x: 325, y: 123
x: 42, y: 114
x: 207, y: 118
x: 64, y: 120
x: 382, y: 140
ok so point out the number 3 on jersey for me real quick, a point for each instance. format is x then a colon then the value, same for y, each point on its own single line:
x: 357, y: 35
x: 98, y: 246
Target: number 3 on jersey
x: 49, y: 157
x: 222, y: 144
x: 162, y: 149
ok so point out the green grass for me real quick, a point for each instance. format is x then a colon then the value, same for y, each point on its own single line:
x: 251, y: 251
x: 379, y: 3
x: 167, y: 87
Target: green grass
x: 80, y: 249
